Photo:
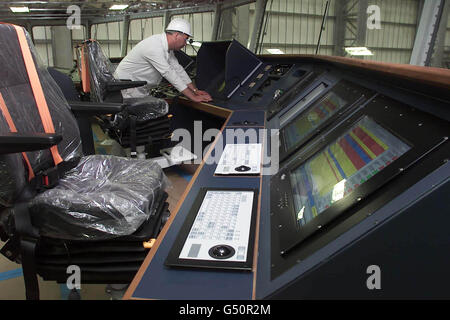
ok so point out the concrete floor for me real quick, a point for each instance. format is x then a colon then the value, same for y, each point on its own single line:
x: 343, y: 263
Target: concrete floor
x: 11, y: 279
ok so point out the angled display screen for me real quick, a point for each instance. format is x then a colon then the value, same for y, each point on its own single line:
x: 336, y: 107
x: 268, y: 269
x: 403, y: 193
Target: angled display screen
x: 300, y: 105
x: 375, y: 144
x: 296, y: 131
x: 342, y: 166
x: 308, y: 121
x: 306, y: 79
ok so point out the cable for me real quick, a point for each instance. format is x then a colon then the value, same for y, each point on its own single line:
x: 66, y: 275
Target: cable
x: 191, y: 41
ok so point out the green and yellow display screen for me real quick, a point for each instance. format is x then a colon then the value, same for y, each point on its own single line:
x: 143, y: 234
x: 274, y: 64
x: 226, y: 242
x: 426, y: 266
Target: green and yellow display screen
x: 330, y: 175
x: 307, y: 122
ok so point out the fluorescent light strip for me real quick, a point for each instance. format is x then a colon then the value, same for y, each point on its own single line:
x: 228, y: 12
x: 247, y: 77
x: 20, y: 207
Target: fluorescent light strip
x: 275, y: 51
x: 358, y: 51
x: 19, y: 9
x: 118, y: 6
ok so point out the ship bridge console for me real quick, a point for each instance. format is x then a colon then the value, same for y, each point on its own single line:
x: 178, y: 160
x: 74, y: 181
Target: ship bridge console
x: 329, y: 168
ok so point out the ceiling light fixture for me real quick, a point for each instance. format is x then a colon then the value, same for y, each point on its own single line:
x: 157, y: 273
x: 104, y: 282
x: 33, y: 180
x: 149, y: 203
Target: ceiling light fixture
x: 358, y: 51
x: 275, y: 51
x: 118, y: 6
x: 19, y: 9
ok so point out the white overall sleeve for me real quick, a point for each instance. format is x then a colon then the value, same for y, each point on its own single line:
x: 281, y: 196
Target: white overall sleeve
x: 160, y: 61
x: 178, y: 68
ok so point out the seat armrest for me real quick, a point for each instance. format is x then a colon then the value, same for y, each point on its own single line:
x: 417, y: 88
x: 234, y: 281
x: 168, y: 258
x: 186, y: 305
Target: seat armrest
x: 86, y: 108
x: 123, y: 84
x: 23, y: 142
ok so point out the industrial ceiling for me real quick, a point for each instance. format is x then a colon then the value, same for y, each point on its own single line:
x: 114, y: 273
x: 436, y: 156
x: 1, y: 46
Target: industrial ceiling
x: 62, y: 9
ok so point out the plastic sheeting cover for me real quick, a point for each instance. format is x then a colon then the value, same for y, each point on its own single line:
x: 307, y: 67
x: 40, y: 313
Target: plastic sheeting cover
x: 146, y: 108
x: 19, y: 98
x: 100, y: 69
x: 103, y: 197
x: 101, y: 72
x: 13, y: 181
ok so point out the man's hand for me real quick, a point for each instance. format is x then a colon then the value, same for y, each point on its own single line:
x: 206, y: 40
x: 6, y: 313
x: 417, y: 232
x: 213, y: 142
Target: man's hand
x: 195, y: 96
x: 204, y: 94
x: 200, y: 98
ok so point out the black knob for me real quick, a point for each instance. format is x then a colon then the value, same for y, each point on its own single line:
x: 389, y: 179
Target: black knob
x: 221, y: 251
x: 242, y: 168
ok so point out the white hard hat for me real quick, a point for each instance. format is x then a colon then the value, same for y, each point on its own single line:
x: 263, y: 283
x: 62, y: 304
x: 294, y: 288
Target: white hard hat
x: 180, y: 25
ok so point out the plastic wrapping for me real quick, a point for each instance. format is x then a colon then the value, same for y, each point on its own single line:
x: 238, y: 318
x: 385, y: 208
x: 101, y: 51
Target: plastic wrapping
x: 101, y: 72
x: 144, y: 109
x: 13, y: 181
x: 138, y: 92
x: 103, y: 197
x: 147, y: 108
x: 19, y: 98
x: 100, y: 69
x: 148, y: 111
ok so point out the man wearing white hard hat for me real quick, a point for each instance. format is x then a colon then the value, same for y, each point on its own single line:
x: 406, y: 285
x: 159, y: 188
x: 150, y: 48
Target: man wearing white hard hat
x: 153, y: 58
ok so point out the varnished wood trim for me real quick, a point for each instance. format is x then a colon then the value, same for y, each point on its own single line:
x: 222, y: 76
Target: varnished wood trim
x: 438, y: 77
x: 258, y: 219
x: 206, y: 107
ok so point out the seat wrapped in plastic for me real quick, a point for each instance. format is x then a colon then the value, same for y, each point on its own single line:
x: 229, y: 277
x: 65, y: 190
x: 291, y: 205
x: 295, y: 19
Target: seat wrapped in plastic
x: 13, y: 181
x: 129, y: 127
x: 101, y: 73
x: 101, y: 196
x: 18, y: 96
x: 102, y: 193
x: 146, y: 108
x: 100, y: 69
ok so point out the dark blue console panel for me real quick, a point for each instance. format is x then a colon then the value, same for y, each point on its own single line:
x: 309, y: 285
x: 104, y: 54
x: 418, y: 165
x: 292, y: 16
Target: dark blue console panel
x: 161, y: 282
x: 333, y: 129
